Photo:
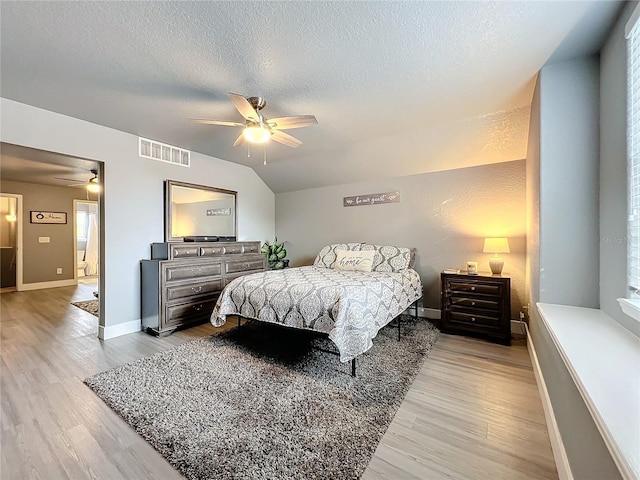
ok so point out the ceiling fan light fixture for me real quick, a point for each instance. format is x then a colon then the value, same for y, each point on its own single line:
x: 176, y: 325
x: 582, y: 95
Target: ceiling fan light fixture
x: 256, y: 134
x: 93, y: 186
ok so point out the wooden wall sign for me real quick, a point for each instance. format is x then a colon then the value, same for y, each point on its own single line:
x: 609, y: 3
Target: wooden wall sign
x: 48, y: 217
x: 371, y: 199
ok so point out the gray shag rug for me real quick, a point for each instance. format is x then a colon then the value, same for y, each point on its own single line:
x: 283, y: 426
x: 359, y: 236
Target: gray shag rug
x: 91, y: 306
x: 264, y: 402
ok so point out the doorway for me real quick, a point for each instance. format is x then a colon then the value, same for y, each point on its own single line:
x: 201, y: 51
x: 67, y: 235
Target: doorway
x: 10, y: 241
x: 87, y: 243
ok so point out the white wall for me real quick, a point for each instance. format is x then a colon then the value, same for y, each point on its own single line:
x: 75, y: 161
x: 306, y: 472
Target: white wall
x: 133, y: 194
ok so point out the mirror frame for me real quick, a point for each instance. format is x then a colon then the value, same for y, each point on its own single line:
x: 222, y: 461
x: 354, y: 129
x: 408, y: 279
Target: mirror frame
x: 168, y: 197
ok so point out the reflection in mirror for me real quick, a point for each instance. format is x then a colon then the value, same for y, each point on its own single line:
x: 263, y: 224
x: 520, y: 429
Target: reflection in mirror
x: 199, y: 211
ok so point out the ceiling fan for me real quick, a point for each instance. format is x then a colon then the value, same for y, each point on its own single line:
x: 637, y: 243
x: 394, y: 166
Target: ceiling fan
x: 259, y: 129
x: 93, y: 185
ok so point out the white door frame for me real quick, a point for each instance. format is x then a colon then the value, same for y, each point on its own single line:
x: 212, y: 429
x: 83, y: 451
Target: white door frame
x: 18, y: 197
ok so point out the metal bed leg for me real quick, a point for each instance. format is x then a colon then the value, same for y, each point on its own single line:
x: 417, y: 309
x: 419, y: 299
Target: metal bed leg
x: 415, y: 304
x: 353, y: 367
x: 399, y: 323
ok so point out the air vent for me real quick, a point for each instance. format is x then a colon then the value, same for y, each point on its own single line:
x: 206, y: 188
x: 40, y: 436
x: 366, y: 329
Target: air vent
x: 164, y: 153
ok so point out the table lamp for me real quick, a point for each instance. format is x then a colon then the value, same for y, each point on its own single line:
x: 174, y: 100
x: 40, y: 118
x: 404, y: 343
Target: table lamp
x: 496, y: 245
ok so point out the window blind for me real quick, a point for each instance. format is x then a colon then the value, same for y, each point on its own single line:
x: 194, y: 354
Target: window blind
x: 633, y: 153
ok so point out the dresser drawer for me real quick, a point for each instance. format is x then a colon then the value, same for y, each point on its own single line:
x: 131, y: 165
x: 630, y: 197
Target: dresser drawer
x: 189, y: 290
x: 213, y: 251
x: 178, y: 314
x: 472, y: 287
x: 243, y: 265
x: 182, y: 272
x: 232, y: 249
x: 250, y: 248
x: 473, y: 303
x: 183, y: 251
x: 473, y: 319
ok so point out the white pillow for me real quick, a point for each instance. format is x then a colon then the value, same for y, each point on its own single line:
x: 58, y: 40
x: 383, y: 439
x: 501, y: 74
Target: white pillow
x: 360, y: 261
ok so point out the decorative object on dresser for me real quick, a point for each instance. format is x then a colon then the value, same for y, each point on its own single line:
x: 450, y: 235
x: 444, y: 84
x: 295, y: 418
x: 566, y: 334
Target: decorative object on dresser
x: 182, y: 281
x: 478, y: 305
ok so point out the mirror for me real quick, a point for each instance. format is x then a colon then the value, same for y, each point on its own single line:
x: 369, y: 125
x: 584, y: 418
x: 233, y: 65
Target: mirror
x: 193, y: 211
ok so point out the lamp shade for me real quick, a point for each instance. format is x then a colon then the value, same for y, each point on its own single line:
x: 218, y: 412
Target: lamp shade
x: 496, y: 245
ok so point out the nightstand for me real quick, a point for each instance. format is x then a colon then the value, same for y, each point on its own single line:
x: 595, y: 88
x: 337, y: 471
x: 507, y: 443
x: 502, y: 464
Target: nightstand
x: 477, y: 305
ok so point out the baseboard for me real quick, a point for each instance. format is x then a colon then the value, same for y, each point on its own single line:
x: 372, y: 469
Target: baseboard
x: 54, y: 284
x: 518, y: 327
x: 112, y: 331
x: 557, y: 447
x: 432, y: 313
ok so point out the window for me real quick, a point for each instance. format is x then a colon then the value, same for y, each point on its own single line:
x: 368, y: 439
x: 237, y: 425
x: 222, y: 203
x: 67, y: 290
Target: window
x: 633, y: 150
x: 81, y: 225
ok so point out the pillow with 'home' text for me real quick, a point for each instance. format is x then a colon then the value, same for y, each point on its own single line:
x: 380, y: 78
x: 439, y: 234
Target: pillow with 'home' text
x: 358, y: 261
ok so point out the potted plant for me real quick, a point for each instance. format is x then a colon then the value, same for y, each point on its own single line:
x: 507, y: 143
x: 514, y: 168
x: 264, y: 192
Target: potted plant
x: 276, y: 254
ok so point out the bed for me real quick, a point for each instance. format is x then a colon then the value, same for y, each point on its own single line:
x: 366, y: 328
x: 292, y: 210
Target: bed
x: 350, y: 292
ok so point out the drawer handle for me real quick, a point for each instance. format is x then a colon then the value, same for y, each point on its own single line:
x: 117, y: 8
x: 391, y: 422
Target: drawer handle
x: 473, y: 288
x: 196, y: 289
x: 197, y: 308
x: 245, y: 265
x: 196, y: 270
x: 473, y: 319
x: 473, y: 304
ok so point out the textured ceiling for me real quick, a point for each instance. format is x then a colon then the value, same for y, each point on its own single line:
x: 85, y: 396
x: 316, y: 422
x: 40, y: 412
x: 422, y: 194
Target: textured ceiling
x: 398, y: 87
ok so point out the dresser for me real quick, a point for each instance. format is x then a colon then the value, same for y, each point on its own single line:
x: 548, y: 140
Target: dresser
x: 181, y: 283
x: 477, y: 305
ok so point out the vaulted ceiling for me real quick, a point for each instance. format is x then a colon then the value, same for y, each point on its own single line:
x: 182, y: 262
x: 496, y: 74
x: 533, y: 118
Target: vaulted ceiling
x: 398, y: 88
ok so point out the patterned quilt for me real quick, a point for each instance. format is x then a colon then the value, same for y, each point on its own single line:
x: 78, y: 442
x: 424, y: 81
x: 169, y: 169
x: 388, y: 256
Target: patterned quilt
x: 350, y: 306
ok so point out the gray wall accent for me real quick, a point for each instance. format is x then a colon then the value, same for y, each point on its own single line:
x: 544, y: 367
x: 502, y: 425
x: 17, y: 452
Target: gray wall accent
x: 613, y: 174
x: 562, y: 228
x: 40, y: 260
x: 133, y: 207
x: 445, y: 215
x: 569, y: 155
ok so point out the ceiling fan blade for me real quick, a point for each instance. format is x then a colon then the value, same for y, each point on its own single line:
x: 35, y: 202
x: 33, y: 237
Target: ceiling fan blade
x: 239, y: 140
x: 70, y: 180
x: 244, y: 107
x: 295, y: 121
x: 285, y: 139
x: 216, y: 122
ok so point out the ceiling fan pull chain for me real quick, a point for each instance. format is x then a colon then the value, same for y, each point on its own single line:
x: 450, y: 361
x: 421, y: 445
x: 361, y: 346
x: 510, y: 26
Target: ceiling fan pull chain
x: 264, y: 149
x: 248, y: 151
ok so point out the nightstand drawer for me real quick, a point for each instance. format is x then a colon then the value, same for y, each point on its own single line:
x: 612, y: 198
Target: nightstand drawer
x: 473, y: 303
x: 474, y: 319
x: 473, y: 287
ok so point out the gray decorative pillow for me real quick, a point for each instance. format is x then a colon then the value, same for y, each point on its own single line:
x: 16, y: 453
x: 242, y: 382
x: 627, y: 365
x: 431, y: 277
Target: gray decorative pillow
x: 327, y: 256
x: 386, y: 258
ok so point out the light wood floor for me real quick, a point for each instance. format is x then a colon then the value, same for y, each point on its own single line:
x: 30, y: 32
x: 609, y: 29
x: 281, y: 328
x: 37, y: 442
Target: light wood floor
x: 472, y: 413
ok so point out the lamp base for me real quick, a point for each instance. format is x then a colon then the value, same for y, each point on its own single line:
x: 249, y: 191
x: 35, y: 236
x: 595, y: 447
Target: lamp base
x: 496, y: 264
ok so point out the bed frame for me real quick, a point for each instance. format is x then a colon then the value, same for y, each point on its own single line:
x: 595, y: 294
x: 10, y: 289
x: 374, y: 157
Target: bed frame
x: 414, y: 305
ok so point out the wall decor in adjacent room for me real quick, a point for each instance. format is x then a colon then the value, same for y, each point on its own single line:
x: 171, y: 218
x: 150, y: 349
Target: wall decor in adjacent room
x: 371, y: 199
x: 48, y: 217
